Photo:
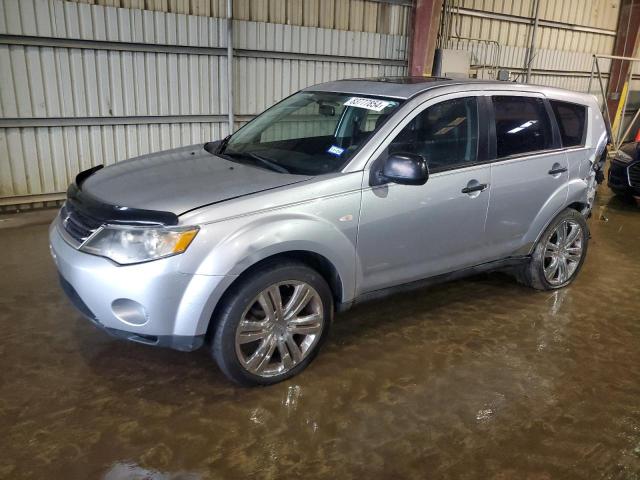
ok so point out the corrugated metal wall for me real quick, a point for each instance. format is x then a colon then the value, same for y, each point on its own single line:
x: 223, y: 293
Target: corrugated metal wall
x: 354, y: 15
x: 570, y: 32
x: 86, y: 84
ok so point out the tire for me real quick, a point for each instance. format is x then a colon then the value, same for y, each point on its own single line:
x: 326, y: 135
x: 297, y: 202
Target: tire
x: 243, y: 326
x: 533, y: 273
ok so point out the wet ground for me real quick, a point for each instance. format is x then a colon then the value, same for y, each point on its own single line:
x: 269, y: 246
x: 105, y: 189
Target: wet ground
x: 480, y: 378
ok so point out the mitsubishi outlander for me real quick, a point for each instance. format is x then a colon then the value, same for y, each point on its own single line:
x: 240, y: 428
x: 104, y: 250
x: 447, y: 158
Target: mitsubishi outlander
x: 341, y: 192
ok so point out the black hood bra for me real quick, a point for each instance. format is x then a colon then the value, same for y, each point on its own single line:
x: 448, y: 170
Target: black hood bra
x: 108, y: 213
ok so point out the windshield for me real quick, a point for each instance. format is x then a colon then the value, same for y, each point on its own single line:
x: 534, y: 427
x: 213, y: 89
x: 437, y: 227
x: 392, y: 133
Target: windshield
x: 309, y: 133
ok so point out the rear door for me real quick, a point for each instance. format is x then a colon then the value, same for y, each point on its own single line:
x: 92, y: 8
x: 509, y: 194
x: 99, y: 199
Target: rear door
x: 572, y: 120
x: 529, y: 175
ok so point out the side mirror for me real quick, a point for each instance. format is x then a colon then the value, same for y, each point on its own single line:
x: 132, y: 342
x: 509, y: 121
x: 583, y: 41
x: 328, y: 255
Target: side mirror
x: 405, y: 169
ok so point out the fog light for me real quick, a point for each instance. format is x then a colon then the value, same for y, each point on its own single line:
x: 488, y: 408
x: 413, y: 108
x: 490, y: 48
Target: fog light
x: 129, y: 311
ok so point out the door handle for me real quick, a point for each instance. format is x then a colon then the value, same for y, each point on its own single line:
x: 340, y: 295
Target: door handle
x: 556, y: 171
x: 476, y: 188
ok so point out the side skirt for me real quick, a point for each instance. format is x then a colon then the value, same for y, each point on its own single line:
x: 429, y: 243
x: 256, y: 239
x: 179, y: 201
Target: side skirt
x: 426, y: 282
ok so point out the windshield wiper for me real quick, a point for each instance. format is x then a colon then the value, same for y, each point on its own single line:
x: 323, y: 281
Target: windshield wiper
x: 270, y: 164
x: 223, y: 144
x: 216, y: 148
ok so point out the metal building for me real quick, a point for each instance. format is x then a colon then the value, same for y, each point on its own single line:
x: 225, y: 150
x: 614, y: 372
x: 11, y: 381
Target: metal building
x: 89, y: 84
x: 84, y: 83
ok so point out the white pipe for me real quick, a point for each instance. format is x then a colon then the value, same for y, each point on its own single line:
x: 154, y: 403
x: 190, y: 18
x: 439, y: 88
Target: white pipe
x: 533, y: 40
x: 230, y: 63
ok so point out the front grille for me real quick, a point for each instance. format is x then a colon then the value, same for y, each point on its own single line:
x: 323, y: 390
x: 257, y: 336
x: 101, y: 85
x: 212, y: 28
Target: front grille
x: 618, y: 173
x: 78, y: 225
x: 634, y: 175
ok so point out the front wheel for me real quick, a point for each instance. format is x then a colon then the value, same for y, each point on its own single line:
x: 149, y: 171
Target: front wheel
x: 559, y: 253
x: 272, y: 323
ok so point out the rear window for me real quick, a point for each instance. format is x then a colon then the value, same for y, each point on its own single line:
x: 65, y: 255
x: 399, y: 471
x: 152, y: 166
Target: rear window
x: 571, y: 122
x: 522, y: 125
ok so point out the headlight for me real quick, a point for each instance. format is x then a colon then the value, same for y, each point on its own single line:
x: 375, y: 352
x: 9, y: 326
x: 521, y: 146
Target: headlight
x: 125, y: 245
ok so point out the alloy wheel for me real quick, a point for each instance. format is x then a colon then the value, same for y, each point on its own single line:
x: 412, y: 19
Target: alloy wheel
x: 280, y: 328
x: 563, y: 252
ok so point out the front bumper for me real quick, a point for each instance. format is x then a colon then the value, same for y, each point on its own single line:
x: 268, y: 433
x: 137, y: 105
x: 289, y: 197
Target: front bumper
x: 177, y: 342
x: 620, y: 178
x: 151, y: 303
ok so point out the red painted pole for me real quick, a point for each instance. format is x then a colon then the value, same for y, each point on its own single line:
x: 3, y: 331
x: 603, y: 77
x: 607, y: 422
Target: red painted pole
x: 424, y: 32
x: 627, y: 38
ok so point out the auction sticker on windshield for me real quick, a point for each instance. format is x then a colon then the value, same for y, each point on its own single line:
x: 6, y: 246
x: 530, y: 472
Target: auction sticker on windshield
x: 368, y: 103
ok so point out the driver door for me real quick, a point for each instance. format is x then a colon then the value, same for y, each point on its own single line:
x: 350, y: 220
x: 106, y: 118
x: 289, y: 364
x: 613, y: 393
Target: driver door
x: 410, y: 232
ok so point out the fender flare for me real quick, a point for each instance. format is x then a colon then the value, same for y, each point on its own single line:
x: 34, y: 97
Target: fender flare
x: 263, y: 238
x: 577, y: 191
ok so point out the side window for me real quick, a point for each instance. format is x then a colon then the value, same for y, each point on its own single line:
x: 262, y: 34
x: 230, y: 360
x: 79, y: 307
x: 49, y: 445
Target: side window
x: 445, y: 134
x: 571, y: 121
x: 522, y: 125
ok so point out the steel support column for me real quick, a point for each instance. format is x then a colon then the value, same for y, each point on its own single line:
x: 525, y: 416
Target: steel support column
x: 627, y: 39
x: 532, y: 45
x: 424, y: 32
x: 230, y: 64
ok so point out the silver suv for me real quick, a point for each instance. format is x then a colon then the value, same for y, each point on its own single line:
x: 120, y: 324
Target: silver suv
x: 340, y: 192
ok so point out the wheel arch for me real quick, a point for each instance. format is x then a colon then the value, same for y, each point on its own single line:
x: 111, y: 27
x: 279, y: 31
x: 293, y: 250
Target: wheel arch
x: 575, y: 198
x: 532, y: 273
x: 311, y: 259
x: 579, y: 206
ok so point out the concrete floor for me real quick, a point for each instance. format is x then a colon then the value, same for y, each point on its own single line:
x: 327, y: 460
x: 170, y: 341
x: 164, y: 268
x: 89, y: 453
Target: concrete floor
x: 480, y: 378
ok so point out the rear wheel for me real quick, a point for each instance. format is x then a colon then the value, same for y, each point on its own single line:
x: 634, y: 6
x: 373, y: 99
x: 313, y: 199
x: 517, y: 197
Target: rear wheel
x: 271, y: 325
x: 559, y: 253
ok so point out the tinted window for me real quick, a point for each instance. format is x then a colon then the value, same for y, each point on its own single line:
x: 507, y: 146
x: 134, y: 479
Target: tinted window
x: 571, y: 122
x: 445, y: 134
x: 522, y: 125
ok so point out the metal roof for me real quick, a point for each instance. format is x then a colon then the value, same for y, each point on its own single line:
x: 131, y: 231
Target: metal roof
x: 395, y: 87
x: 408, y: 87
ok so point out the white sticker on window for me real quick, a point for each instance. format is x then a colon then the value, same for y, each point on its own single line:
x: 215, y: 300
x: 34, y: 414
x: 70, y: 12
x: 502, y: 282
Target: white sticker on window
x: 368, y: 103
x: 334, y: 150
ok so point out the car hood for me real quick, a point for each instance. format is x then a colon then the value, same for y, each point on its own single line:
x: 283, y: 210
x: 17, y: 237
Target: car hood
x: 181, y: 180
